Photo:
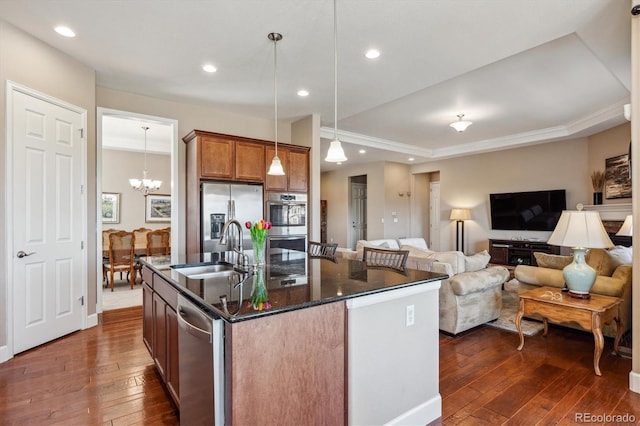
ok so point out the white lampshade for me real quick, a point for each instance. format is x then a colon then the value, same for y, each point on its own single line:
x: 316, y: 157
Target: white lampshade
x: 626, y: 230
x: 276, y: 167
x: 461, y: 125
x: 335, y: 153
x: 460, y: 214
x: 580, y: 229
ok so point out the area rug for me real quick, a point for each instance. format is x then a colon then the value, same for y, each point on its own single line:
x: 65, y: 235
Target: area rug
x: 507, y: 318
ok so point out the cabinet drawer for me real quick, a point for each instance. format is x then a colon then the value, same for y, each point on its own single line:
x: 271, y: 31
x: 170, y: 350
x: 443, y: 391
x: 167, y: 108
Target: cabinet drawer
x: 166, y: 291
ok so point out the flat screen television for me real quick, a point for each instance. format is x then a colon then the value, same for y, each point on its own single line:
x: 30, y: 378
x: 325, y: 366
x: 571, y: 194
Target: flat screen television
x: 527, y: 211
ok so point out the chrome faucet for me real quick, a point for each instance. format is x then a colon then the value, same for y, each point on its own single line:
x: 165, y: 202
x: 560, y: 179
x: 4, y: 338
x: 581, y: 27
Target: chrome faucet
x: 243, y: 259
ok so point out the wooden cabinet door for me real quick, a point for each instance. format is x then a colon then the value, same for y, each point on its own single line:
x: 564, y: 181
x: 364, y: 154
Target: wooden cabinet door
x: 173, y: 378
x: 276, y: 183
x: 250, y: 162
x: 160, y: 334
x: 298, y: 173
x: 216, y: 157
x: 147, y: 317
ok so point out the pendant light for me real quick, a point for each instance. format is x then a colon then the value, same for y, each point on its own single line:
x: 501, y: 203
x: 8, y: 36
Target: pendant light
x: 146, y: 186
x: 276, y: 165
x: 335, y: 153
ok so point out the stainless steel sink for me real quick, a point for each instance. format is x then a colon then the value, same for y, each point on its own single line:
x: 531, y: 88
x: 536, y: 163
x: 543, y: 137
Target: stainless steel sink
x: 206, y: 271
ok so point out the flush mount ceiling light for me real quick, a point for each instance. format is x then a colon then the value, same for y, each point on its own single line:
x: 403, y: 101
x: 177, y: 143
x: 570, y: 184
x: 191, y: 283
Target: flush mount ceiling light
x: 276, y: 165
x: 461, y: 125
x: 65, y: 31
x: 335, y: 153
x: 372, y: 54
x: 303, y: 93
x: 146, y: 186
x: 209, y: 68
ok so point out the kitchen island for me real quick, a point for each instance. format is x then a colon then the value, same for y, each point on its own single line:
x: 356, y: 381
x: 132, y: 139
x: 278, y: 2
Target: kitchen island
x: 340, y: 342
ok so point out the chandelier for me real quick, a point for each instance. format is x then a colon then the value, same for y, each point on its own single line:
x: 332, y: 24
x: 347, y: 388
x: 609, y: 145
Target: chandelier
x: 145, y: 185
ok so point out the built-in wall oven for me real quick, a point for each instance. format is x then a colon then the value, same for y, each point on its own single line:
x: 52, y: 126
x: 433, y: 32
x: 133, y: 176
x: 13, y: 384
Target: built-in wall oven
x: 288, y: 216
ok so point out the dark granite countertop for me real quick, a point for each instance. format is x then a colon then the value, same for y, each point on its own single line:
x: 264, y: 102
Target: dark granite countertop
x: 292, y: 279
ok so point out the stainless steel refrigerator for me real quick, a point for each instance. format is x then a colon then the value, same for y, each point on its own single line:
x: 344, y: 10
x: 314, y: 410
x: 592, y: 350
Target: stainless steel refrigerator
x: 223, y: 201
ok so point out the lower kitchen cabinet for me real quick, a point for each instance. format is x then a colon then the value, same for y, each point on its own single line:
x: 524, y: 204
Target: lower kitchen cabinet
x: 160, y: 329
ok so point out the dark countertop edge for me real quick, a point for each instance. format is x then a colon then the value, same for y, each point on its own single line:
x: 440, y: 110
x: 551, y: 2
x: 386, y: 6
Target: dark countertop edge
x: 217, y: 314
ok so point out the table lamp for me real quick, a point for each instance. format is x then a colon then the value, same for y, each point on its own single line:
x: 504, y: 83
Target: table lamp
x: 460, y: 215
x: 580, y: 230
x: 626, y: 230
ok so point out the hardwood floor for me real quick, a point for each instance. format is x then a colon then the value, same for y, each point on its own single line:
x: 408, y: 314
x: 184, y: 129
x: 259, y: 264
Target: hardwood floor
x: 105, y: 376
x: 100, y: 376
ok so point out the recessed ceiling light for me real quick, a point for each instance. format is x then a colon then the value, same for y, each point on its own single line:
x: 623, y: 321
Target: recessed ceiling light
x: 209, y: 68
x: 362, y: 151
x: 339, y: 163
x: 302, y: 93
x: 372, y: 54
x: 411, y: 158
x: 65, y: 31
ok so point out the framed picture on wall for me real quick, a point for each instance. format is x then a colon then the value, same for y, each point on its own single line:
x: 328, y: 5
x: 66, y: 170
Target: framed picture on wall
x: 157, y: 208
x: 110, y: 207
x: 616, y: 181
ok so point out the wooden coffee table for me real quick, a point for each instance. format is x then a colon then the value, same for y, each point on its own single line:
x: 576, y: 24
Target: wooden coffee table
x: 559, y: 307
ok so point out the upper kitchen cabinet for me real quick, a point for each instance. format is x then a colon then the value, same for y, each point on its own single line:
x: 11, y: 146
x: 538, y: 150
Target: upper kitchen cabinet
x: 217, y: 156
x: 295, y: 162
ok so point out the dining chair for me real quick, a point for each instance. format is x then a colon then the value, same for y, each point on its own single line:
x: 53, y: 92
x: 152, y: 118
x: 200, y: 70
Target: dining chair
x: 105, y: 252
x: 317, y: 249
x: 141, y: 236
x: 121, y: 255
x: 158, y: 242
x: 386, y: 258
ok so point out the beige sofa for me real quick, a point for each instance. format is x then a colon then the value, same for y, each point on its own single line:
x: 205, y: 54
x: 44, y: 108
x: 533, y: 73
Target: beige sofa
x: 471, y: 296
x: 613, y: 279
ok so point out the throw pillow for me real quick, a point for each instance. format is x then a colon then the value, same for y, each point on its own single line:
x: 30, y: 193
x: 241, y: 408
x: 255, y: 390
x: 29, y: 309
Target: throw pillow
x: 476, y: 262
x: 600, y: 260
x: 621, y: 255
x: 552, y: 261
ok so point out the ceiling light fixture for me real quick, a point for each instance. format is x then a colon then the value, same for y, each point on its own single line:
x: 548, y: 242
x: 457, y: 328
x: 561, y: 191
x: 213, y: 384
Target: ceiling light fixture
x: 65, y: 31
x: 335, y: 153
x: 303, y: 93
x: 372, y: 54
x: 362, y: 151
x: 209, y: 68
x: 461, y: 125
x: 146, y: 186
x: 276, y: 165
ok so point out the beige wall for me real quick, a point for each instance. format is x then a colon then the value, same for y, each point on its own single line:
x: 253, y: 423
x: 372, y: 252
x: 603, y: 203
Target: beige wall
x: 117, y: 168
x: 34, y: 64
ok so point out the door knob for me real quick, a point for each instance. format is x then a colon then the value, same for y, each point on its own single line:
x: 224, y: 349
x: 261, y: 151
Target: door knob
x: 22, y: 254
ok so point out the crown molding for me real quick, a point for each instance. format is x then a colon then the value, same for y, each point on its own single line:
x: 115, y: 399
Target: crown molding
x: 611, y: 114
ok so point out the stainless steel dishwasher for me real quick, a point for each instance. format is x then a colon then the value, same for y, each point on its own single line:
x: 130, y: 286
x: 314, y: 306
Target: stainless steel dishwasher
x: 201, y: 365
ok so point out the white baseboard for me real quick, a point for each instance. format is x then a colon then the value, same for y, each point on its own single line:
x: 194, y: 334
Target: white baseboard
x: 634, y: 381
x: 5, y: 353
x: 92, y: 321
x: 423, y: 414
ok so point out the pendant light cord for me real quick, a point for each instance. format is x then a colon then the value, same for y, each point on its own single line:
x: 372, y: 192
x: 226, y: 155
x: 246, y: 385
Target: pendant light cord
x: 275, y: 88
x: 335, y: 70
x: 144, y: 173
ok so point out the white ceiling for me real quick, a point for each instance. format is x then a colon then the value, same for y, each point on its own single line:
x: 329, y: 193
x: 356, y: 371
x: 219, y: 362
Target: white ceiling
x: 524, y: 71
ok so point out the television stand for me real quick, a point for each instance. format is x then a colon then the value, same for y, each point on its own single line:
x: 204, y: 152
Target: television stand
x: 518, y: 252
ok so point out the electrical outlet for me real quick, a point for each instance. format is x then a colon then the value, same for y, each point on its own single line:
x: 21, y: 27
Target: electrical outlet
x: 411, y: 315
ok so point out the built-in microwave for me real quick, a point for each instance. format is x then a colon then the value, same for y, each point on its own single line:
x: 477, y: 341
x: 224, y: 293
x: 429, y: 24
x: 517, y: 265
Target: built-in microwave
x: 287, y: 213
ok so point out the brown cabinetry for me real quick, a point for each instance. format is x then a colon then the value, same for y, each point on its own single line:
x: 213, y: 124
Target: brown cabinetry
x: 518, y: 252
x: 215, y: 156
x: 295, y: 163
x: 160, y: 328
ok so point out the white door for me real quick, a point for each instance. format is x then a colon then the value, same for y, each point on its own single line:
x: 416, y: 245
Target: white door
x: 46, y: 141
x: 434, y: 216
x: 358, y: 213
